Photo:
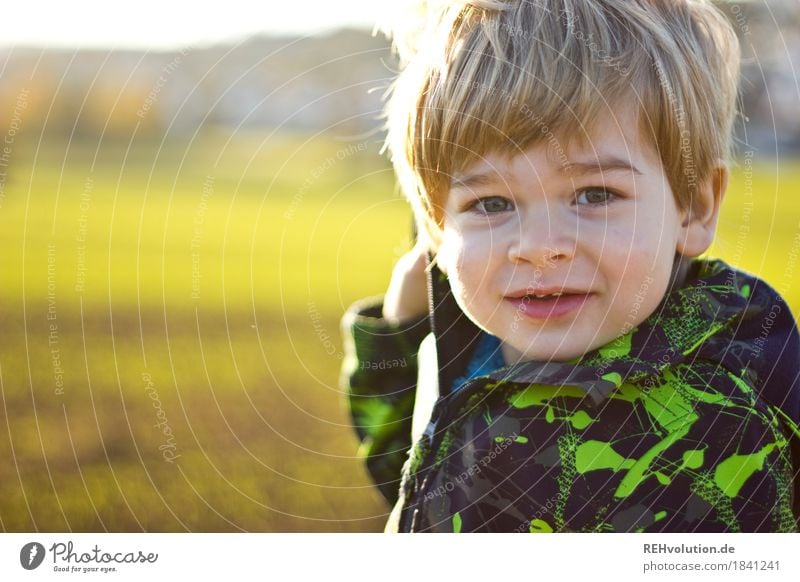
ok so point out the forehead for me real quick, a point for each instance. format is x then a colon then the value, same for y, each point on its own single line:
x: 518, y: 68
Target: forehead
x: 613, y: 142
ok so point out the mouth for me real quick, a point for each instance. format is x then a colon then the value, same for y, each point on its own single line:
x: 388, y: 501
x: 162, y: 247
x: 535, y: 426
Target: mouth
x: 541, y: 305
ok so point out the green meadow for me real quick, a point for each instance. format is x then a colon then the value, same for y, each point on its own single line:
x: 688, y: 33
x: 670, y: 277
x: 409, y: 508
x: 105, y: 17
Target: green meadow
x: 170, y: 348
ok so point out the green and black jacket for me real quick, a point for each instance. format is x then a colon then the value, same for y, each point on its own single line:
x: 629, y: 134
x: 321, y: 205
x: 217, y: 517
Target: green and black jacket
x: 687, y: 423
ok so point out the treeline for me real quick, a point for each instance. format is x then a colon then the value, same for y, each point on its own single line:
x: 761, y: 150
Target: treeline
x: 330, y: 82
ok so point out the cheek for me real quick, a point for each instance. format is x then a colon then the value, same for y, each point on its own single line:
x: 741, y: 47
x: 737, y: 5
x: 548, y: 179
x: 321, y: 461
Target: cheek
x: 631, y: 263
x: 465, y: 250
x: 642, y: 279
x: 624, y: 239
x: 468, y: 260
x: 638, y: 249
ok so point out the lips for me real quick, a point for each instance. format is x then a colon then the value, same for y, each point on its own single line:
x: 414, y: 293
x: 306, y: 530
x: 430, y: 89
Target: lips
x: 544, y: 304
x: 541, y: 292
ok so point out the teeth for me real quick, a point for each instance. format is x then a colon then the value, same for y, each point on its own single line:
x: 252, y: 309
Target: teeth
x: 550, y: 295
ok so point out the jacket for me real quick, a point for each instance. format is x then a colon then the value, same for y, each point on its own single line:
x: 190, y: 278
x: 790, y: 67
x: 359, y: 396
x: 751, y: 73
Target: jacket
x: 689, y: 422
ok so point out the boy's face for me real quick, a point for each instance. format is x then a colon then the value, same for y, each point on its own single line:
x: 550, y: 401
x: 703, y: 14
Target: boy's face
x: 597, y: 222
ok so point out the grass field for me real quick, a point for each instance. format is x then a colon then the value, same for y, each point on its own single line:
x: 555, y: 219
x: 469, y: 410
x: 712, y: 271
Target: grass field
x: 170, y: 350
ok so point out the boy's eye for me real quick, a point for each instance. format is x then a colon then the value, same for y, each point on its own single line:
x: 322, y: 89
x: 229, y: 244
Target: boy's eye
x: 492, y: 205
x: 594, y: 196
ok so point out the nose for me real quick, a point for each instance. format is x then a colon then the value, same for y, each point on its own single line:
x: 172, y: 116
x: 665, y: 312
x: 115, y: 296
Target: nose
x: 543, y: 237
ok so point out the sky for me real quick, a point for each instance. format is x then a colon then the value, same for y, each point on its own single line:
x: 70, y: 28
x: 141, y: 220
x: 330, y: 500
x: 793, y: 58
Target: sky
x: 155, y: 24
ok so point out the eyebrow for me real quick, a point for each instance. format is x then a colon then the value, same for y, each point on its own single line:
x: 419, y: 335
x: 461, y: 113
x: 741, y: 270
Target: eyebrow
x: 600, y: 165
x: 595, y: 166
x: 475, y: 180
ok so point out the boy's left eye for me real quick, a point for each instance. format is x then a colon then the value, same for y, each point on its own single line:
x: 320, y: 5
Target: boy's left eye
x: 594, y: 196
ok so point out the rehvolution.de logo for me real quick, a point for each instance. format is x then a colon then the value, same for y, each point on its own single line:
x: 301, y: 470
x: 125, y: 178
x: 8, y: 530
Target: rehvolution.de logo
x: 31, y: 555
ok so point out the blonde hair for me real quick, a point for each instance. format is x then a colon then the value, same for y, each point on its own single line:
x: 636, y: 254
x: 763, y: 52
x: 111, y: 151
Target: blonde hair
x: 486, y: 76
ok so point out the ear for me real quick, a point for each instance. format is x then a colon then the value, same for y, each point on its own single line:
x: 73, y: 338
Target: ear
x: 428, y: 239
x: 440, y: 258
x: 700, y: 221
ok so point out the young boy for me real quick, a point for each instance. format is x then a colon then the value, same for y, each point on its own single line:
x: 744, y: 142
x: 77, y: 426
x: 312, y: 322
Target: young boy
x: 581, y: 369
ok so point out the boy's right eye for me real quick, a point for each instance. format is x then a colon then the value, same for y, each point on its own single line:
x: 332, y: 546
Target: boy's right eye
x: 491, y: 205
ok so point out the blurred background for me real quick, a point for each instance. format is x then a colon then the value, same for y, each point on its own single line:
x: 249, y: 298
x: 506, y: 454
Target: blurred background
x: 189, y: 200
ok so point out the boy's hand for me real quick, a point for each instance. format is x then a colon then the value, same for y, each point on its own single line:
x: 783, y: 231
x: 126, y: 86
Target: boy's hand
x: 407, y: 296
